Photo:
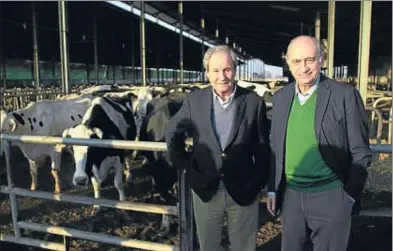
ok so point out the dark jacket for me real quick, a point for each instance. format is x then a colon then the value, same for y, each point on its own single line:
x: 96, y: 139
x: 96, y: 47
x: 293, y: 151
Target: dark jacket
x: 342, y: 134
x: 244, y: 163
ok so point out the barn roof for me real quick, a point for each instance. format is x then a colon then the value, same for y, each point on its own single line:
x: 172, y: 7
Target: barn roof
x: 262, y: 29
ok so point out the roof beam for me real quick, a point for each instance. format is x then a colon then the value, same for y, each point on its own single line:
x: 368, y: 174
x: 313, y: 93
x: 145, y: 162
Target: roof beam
x: 279, y: 39
x: 264, y: 30
x: 251, y: 18
x: 270, y: 45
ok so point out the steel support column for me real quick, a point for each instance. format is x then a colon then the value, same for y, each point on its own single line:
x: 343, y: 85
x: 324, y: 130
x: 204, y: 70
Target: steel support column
x: 142, y: 42
x: 95, y: 41
x: 181, y: 43
x: 157, y: 31
x: 364, y: 47
x: 3, y: 72
x: 36, y: 62
x: 203, y: 42
x: 301, y: 28
x: 318, y: 26
x: 217, y: 35
x: 54, y: 80
x: 133, y: 47
x: 87, y: 73
x: 252, y: 70
x: 63, y: 30
x: 331, y: 28
x: 248, y: 69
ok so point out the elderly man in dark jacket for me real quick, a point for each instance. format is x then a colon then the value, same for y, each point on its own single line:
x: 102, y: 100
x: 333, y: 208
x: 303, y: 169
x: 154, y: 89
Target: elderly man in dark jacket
x: 230, y: 159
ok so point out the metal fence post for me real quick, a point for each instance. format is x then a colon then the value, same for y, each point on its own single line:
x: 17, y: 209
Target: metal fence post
x: 66, y: 243
x: 185, y: 213
x: 13, y: 200
x: 390, y: 128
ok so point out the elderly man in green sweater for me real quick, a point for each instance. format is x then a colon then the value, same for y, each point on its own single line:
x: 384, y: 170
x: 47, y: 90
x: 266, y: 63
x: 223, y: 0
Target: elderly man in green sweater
x: 320, y: 152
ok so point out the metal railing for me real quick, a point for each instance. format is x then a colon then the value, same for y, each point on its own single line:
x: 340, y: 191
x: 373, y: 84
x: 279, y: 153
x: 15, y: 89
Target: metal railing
x: 384, y: 148
x: 389, y: 122
x: 376, y: 102
x: 184, y: 211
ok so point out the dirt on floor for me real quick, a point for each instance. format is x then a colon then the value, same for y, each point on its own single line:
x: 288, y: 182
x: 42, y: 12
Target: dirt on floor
x: 367, y: 233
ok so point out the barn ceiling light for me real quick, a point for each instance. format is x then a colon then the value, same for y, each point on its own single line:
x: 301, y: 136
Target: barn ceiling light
x: 283, y: 34
x: 154, y: 19
x: 283, y: 7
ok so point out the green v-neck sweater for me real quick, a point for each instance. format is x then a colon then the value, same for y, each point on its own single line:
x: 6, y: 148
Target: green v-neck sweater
x: 305, y: 169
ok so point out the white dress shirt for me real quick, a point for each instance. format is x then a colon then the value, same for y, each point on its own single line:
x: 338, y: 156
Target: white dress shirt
x: 223, y: 103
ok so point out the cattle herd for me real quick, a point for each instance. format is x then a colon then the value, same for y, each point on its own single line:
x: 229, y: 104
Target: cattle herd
x: 104, y: 112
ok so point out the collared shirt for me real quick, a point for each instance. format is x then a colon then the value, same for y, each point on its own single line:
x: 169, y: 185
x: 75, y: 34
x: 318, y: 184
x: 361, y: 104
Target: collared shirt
x: 227, y: 102
x: 303, y: 97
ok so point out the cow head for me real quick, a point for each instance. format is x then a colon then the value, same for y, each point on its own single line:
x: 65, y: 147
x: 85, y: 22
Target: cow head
x: 80, y: 152
x: 139, y: 105
x: 144, y: 95
x: 9, y: 122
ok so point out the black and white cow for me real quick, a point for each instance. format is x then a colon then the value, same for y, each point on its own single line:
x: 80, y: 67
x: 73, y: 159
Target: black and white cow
x: 159, y: 113
x: 106, y: 118
x: 44, y: 118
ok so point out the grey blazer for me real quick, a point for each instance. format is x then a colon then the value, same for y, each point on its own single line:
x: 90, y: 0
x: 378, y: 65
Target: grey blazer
x: 342, y: 134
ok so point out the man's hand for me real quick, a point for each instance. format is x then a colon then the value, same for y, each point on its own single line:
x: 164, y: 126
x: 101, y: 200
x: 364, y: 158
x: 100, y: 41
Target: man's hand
x: 271, y: 203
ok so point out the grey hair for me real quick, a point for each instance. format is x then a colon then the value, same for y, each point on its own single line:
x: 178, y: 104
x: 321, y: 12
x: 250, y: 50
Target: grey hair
x: 318, y: 46
x: 218, y: 48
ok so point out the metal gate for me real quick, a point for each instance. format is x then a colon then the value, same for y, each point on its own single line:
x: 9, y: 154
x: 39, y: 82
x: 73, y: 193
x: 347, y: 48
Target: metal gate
x: 183, y: 210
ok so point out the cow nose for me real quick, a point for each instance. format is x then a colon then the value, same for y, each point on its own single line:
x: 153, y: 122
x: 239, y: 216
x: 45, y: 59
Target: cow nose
x: 80, y: 181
